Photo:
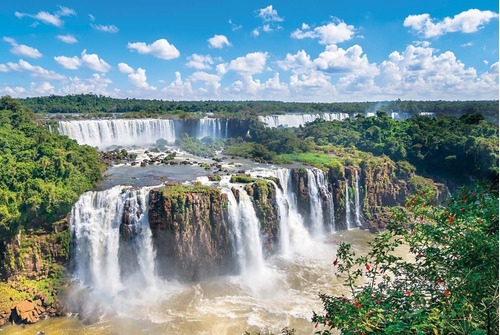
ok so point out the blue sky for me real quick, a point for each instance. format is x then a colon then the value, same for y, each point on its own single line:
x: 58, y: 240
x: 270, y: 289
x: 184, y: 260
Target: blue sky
x: 322, y: 51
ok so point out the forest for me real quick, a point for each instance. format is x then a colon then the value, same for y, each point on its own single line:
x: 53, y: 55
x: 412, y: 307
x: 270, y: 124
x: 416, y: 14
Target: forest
x: 97, y: 104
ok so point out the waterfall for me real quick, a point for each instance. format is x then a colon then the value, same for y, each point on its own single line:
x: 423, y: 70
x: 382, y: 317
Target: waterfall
x: 246, y: 233
x: 358, y: 205
x: 347, y: 206
x: 120, y: 132
x: 215, y: 128
x: 297, y: 120
x: 95, y: 226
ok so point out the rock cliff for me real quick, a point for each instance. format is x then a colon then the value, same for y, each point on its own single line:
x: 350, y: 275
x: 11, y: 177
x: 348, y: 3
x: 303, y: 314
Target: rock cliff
x: 190, y: 231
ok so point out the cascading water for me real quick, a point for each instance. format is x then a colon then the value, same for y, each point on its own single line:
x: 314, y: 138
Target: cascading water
x: 347, y: 206
x: 357, y: 204
x: 297, y: 120
x: 215, y: 128
x: 95, y: 226
x: 120, y: 132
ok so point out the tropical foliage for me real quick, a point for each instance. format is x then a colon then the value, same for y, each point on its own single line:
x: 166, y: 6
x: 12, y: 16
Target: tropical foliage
x: 448, y: 283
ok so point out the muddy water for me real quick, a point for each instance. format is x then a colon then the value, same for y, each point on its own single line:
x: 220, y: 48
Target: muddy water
x: 286, y: 297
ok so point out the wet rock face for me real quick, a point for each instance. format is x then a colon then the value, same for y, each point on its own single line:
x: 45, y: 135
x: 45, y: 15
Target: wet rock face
x: 190, y: 231
x: 299, y: 184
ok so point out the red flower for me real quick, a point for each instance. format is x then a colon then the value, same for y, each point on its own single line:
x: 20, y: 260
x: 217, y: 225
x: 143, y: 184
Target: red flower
x: 408, y: 293
x: 316, y: 326
x: 421, y: 218
x: 425, y: 205
x: 481, y: 221
x: 370, y: 313
x: 374, y: 298
x: 347, y: 300
x: 447, y: 213
x: 326, y: 316
x: 465, y: 197
x: 329, y: 324
x: 367, y: 266
x: 482, y: 195
x: 420, y: 255
x: 453, y: 218
x: 430, y: 197
x: 335, y: 262
x: 379, y: 301
x: 432, y: 204
x: 356, y: 303
x: 461, y: 209
x: 473, y: 194
x: 359, y: 306
x: 446, y: 292
x: 439, y: 280
x: 422, y: 192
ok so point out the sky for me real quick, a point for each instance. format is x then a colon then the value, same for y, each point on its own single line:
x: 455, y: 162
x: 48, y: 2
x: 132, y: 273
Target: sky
x: 307, y: 51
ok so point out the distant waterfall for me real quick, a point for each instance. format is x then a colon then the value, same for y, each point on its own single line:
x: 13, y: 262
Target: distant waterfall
x: 215, y: 128
x: 95, y: 226
x: 358, y: 205
x: 297, y: 120
x: 120, y: 132
x: 347, y: 206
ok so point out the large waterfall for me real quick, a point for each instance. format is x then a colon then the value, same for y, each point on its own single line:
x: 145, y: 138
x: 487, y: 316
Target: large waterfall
x: 139, y: 132
x: 348, y: 218
x: 96, y: 221
x: 120, y: 132
x: 297, y: 120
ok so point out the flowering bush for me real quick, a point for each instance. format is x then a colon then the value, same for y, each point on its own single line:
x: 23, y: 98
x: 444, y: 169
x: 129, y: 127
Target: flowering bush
x: 448, y: 284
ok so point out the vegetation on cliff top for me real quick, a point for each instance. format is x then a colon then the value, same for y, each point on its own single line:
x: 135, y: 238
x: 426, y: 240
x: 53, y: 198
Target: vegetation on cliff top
x: 449, y: 284
x: 41, y: 173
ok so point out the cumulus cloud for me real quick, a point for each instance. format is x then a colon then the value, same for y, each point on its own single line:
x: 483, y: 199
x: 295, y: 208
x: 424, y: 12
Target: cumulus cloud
x: 70, y: 39
x: 91, y: 61
x: 22, y: 50
x: 44, y: 88
x: 111, y: 28
x: 178, y: 88
x: 49, y: 18
x: 200, y: 62
x: 160, y: 49
x: 268, y: 14
x: 36, y: 71
x: 468, y: 21
x: 136, y: 77
x: 234, y: 26
x: 331, y: 33
x: 255, y: 32
x: 212, y: 81
x: 97, y: 83
x: 250, y: 64
x: 300, y: 61
x: 336, y: 60
x: 12, y: 91
x: 218, y: 41
x: 70, y: 63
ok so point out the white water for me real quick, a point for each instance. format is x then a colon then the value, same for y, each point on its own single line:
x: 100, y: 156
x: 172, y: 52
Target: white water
x: 215, y: 128
x: 347, y: 206
x: 95, y: 227
x: 357, y: 202
x: 297, y: 120
x: 120, y: 132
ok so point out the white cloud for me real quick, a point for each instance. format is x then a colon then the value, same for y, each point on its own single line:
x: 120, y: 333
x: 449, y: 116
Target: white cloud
x: 70, y: 39
x: 93, y: 62
x: 111, y: 28
x: 14, y: 92
x: 71, y: 63
x: 160, y: 49
x: 36, y: 71
x: 44, y: 88
x: 300, y: 61
x: 200, y: 62
x: 212, y: 81
x: 218, y: 41
x: 97, y: 83
x: 178, y: 88
x: 467, y: 44
x: 466, y: 22
x: 91, y: 17
x: 250, y: 64
x: 48, y: 18
x: 339, y: 61
x: 22, y: 50
x: 331, y: 33
x: 255, y: 32
x: 269, y: 14
x: 125, y: 68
